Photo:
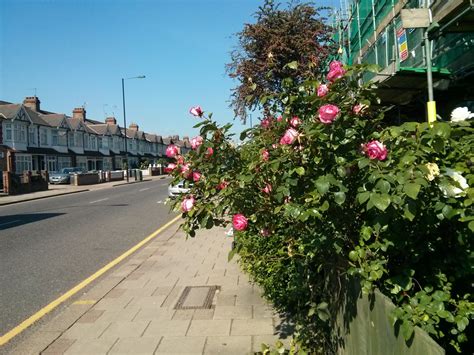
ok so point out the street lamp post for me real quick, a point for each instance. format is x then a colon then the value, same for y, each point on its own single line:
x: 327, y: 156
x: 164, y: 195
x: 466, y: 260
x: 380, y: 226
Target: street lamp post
x: 125, y: 118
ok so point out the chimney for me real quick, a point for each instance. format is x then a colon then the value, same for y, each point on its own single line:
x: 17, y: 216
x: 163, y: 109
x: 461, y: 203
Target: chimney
x: 133, y: 127
x: 32, y: 102
x: 175, y: 138
x: 110, y: 120
x: 79, y: 112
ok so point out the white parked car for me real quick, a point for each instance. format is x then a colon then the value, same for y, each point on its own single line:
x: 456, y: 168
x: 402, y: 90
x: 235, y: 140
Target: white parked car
x: 181, y: 187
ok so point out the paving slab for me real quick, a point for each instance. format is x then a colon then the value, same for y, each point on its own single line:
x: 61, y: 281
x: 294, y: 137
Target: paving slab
x: 133, y: 310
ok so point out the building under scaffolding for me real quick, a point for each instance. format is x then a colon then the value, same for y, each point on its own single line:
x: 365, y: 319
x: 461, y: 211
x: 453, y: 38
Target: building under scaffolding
x: 371, y: 31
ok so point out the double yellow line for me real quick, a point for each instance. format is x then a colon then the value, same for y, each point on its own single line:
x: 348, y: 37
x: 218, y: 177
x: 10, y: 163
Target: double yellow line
x: 45, y: 310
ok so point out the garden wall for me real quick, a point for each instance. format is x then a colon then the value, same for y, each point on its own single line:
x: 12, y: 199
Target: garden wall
x: 363, y: 327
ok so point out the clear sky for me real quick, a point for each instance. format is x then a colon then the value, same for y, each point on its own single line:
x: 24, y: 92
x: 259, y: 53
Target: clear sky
x: 75, y: 52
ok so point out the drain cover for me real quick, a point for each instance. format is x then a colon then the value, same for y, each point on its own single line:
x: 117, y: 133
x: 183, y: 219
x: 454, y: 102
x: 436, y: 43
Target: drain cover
x: 196, y: 297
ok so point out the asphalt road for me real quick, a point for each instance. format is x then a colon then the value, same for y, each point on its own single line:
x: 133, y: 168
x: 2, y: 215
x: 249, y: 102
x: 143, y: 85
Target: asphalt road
x: 48, y: 246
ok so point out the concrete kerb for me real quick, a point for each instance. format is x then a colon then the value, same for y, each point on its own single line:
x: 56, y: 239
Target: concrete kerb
x: 42, y: 197
x: 64, y: 317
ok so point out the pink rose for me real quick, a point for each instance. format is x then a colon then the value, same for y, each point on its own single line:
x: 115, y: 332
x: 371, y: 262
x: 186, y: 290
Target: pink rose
x: 267, y: 189
x: 196, y: 176
x: 266, y: 122
x: 375, y: 150
x: 222, y: 185
x: 295, y: 121
x: 179, y: 159
x: 210, y: 152
x: 265, y: 155
x: 239, y: 222
x: 328, y: 113
x: 290, y: 136
x: 280, y: 118
x: 322, y: 90
x: 188, y: 204
x: 185, y: 170
x: 335, y: 64
x: 336, y: 71
x: 196, y: 111
x: 359, y: 109
x: 170, y: 168
x: 196, y: 142
x: 172, y: 151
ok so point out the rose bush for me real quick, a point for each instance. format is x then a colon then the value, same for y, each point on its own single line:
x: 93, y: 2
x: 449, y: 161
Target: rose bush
x: 341, y: 195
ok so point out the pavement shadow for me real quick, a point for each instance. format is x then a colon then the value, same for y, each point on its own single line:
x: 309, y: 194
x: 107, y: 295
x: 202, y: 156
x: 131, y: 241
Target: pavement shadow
x: 16, y: 220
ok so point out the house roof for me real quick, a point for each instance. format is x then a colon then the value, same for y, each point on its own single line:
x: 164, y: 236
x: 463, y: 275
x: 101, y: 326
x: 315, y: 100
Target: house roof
x: 167, y: 140
x: 55, y: 119
x: 151, y: 137
x: 101, y: 129
x: 10, y: 111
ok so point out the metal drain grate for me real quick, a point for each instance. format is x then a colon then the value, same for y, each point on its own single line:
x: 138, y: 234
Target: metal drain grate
x: 196, y: 297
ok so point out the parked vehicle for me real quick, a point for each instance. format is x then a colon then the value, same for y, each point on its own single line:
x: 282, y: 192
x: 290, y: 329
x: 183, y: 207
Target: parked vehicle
x: 64, y: 175
x: 181, y: 187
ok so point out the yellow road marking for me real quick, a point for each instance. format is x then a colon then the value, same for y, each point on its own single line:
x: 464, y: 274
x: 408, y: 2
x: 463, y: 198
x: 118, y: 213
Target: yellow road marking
x: 80, y: 302
x: 48, y: 308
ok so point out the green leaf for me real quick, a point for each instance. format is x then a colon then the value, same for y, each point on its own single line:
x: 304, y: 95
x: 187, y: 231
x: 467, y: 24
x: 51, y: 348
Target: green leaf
x: 340, y: 197
x: 323, y: 312
x: 409, y: 211
x: 300, y: 171
x: 412, y: 190
x: 381, y: 201
x: 292, y: 65
x: 383, y: 186
x: 471, y: 226
x: 322, y: 185
x: 407, y: 330
x: 363, y: 196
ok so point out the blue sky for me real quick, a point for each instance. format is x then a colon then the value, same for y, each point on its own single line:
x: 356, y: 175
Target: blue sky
x: 75, y: 52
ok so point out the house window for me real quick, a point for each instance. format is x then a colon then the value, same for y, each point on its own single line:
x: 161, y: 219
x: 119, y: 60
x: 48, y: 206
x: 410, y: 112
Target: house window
x: 107, y: 164
x: 43, y: 136
x: 62, y: 138
x: 32, y: 135
x: 93, y: 145
x: 54, y: 136
x: 64, y: 162
x: 23, y: 163
x: 8, y: 132
x: 22, y: 133
x: 78, y: 139
x: 51, y: 163
x: 100, y: 142
x: 86, y: 142
x: 82, y: 163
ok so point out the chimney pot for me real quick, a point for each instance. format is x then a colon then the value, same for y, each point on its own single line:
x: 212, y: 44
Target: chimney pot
x: 79, y: 112
x: 133, y: 127
x: 110, y: 120
x: 32, y: 102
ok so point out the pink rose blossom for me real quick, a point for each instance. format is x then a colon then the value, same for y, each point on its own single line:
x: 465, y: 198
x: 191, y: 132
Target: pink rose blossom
x: 196, y: 111
x: 267, y: 189
x: 185, y: 170
x: 170, y: 168
x: 172, y: 151
x: 210, y: 152
x: 264, y: 232
x: 336, y: 71
x: 375, y: 150
x: 196, y: 176
x: 290, y: 136
x: 335, y: 64
x: 359, y: 109
x: 188, y: 204
x: 266, y: 122
x: 295, y: 121
x: 322, y: 90
x: 196, y: 142
x: 239, y: 222
x: 265, y: 155
x: 328, y: 113
x: 180, y: 159
x: 280, y: 118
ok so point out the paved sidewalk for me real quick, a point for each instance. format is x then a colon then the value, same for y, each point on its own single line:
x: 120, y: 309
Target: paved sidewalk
x: 58, y: 190
x: 131, y: 310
